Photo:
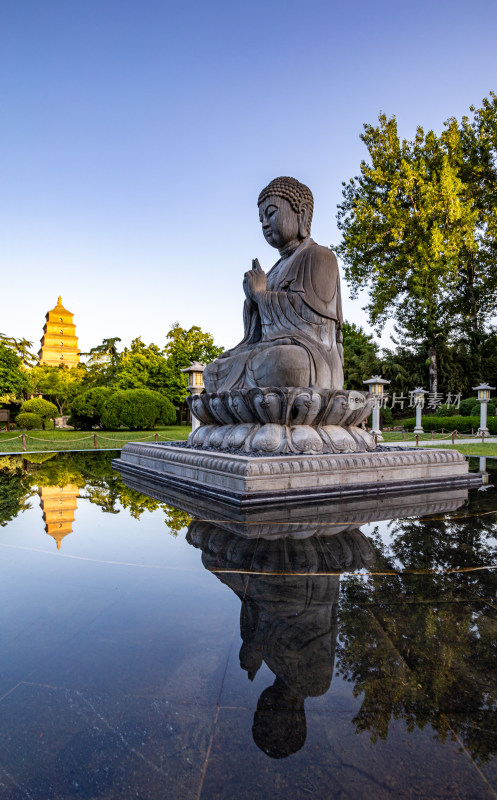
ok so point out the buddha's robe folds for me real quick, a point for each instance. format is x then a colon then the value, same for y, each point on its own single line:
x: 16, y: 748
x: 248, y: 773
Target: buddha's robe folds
x: 293, y: 332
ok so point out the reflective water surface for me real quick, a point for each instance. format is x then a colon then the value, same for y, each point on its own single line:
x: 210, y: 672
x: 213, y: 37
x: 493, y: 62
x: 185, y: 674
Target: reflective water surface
x: 154, y: 645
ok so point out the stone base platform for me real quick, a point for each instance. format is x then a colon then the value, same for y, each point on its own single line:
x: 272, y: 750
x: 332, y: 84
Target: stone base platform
x: 254, y: 481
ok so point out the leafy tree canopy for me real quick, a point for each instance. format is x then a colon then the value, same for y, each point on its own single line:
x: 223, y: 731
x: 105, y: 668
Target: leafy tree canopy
x: 142, y: 367
x: 13, y: 381
x: 21, y: 347
x: 419, y: 229
x: 60, y: 384
x: 182, y: 347
x: 360, y: 356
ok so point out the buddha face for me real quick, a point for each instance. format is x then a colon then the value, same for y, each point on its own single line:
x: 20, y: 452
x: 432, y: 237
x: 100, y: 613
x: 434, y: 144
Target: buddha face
x: 280, y: 223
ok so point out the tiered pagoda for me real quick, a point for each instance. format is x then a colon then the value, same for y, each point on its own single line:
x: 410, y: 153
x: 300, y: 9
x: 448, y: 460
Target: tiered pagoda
x: 59, y: 504
x: 59, y: 344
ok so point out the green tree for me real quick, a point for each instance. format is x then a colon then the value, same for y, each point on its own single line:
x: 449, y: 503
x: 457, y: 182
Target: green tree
x: 87, y: 408
x: 59, y: 384
x: 13, y: 380
x: 43, y: 408
x: 21, y: 347
x: 102, y: 363
x: 183, y: 347
x: 142, y: 367
x: 360, y: 356
x: 418, y: 231
x: 137, y: 409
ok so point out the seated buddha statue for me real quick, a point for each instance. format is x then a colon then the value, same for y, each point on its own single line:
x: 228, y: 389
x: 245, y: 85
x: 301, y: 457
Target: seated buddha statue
x: 293, y: 314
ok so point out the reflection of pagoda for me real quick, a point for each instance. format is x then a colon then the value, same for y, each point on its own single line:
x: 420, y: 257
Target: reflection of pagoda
x: 59, y: 344
x: 59, y: 504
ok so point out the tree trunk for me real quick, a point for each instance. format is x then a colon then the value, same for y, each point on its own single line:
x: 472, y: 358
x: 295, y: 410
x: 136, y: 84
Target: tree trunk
x: 433, y: 371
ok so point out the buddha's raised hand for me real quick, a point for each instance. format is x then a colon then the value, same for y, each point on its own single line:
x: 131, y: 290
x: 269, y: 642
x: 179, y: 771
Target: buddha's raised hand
x: 255, y: 280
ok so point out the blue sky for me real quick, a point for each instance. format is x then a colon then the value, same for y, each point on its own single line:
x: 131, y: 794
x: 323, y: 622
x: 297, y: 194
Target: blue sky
x: 136, y: 136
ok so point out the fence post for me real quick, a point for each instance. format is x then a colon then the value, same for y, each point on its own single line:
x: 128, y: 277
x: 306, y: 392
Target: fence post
x: 403, y: 435
x: 454, y: 434
x: 94, y: 440
x: 443, y: 430
x: 24, y: 441
x: 417, y: 440
x: 472, y: 431
x: 432, y: 435
x: 156, y: 437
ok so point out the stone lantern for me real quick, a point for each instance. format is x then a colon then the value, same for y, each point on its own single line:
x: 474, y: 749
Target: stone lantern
x: 483, y: 397
x: 376, y: 387
x: 195, y: 384
x: 419, y: 402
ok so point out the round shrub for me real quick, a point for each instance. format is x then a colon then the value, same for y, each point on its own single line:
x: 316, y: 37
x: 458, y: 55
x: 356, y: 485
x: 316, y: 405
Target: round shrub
x: 466, y: 407
x: 447, y: 411
x: 43, y: 408
x: 28, y: 420
x: 475, y: 411
x: 87, y: 408
x: 136, y: 409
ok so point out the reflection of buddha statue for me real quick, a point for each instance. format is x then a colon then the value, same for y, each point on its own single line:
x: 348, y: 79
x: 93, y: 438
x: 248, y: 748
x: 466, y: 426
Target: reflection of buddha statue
x: 292, y: 316
x: 288, y: 617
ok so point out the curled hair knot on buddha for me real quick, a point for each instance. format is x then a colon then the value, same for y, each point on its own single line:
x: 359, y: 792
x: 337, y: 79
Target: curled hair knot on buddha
x: 296, y: 193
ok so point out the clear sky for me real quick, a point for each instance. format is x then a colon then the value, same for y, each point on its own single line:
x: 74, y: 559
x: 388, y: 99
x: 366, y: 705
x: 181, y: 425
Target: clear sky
x: 136, y: 135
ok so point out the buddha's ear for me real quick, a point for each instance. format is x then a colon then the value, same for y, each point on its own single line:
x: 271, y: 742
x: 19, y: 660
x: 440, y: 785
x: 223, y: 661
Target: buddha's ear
x: 303, y: 220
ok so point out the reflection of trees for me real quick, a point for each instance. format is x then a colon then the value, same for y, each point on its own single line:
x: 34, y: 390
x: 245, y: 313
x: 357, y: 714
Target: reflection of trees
x: 91, y: 472
x: 422, y: 647
x: 15, y: 489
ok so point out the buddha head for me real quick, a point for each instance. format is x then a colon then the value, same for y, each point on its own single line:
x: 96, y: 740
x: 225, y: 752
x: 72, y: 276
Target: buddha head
x: 285, y: 212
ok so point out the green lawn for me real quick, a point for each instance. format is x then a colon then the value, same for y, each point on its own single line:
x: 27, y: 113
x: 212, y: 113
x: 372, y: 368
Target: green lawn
x: 477, y: 449
x: 11, y: 442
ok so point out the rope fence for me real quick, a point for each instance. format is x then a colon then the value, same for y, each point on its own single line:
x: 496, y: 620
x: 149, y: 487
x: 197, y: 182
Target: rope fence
x: 453, y: 435
x: 96, y: 438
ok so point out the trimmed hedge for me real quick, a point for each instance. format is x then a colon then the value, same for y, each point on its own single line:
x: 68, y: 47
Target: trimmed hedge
x: 137, y: 410
x: 457, y: 423
x: 28, y: 421
x: 43, y: 408
x: 87, y: 408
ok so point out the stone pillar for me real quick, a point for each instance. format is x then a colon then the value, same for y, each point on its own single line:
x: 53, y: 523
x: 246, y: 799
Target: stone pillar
x: 195, y: 385
x: 483, y: 417
x: 483, y: 397
x: 419, y: 401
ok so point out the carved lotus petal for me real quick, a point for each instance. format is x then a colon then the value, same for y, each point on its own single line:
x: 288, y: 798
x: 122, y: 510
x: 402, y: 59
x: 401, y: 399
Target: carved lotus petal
x: 215, y: 438
x: 268, y: 405
x: 339, y: 439
x: 337, y: 410
x: 239, y: 407
x: 305, y: 408
x: 199, y: 407
x: 362, y: 437
x: 306, y: 439
x: 198, y: 437
x: 360, y: 406
x: 269, y: 438
x: 240, y: 435
x: 220, y: 409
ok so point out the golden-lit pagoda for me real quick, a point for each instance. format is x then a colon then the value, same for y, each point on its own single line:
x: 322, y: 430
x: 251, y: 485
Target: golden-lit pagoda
x: 59, y: 344
x: 59, y: 504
